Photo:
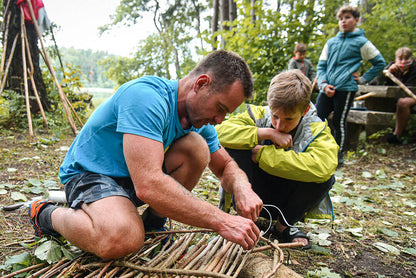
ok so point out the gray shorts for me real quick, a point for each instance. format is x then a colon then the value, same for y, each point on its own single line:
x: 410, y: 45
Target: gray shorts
x: 89, y: 187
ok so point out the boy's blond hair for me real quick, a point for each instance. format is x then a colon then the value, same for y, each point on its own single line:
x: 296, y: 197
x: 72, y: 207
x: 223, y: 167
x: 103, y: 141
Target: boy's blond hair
x: 301, y: 48
x: 349, y: 9
x: 290, y: 90
x: 404, y: 52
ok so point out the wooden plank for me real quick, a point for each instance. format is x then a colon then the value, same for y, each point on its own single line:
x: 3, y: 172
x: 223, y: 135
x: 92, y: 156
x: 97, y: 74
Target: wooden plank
x: 370, y: 117
x: 383, y: 91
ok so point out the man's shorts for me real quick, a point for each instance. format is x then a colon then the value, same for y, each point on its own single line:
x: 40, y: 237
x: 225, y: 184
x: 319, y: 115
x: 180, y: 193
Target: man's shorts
x: 89, y: 187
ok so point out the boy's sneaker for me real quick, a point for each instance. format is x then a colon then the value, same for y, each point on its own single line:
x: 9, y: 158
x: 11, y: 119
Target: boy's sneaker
x: 34, y: 209
x: 393, y: 139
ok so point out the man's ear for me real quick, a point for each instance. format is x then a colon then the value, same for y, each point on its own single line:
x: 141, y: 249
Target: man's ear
x: 201, y: 81
x: 306, y: 110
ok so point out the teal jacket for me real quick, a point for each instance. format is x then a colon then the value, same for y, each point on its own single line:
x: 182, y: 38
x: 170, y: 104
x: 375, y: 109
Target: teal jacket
x: 344, y: 54
x: 313, y: 158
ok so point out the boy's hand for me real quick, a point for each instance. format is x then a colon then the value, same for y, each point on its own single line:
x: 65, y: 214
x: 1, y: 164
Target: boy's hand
x: 329, y: 90
x: 254, y: 152
x: 281, y: 140
x: 394, y: 68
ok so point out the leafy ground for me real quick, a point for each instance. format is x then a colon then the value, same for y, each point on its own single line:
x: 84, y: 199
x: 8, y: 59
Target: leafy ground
x: 373, y: 235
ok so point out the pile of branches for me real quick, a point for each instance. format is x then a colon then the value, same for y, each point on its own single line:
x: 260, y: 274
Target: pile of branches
x: 193, y: 253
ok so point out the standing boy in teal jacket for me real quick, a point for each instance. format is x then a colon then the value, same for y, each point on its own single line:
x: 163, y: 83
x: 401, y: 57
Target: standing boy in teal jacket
x: 286, y: 150
x: 338, y: 64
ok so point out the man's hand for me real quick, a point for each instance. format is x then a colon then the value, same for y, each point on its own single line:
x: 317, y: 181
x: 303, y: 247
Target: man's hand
x: 247, y: 203
x: 329, y: 90
x: 240, y: 230
x: 234, y: 181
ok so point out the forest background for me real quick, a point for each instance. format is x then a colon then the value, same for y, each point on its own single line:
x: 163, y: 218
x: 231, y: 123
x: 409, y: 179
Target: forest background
x: 374, y: 195
x: 263, y: 32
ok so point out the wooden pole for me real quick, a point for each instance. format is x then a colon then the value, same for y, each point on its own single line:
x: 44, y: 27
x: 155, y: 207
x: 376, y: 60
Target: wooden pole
x: 5, y: 13
x: 30, y: 71
x: 370, y: 94
x: 66, y: 98
x: 9, y: 61
x: 22, y: 36
x: 47, y: 61
x: 398, y: 82
x: 6, y: 35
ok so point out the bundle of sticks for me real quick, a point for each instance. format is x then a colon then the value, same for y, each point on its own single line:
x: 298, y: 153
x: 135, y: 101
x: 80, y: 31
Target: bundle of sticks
x: 195, y: 253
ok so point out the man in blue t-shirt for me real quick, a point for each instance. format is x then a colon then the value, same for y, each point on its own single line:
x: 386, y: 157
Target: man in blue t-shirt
x: 149, y: 144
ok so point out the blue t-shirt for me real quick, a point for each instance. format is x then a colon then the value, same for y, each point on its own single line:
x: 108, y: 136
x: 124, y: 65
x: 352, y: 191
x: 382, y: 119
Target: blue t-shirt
x: 146, y: 107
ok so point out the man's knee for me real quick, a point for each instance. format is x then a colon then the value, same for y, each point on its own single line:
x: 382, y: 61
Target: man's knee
x: 120, y: 241
x: 191, y: 148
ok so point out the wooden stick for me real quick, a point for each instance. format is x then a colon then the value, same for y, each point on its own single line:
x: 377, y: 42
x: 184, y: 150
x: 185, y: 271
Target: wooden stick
x: 4, y: 14
x: 35, y: 91
x: 198, y: 273
x: 398, y: 82
x: 229, y: 259
x: 367, y: 95
x: 315, y: 81
x: 47, y: 61
x: 236, y: 260
x: 24, y: 270
x: 22, y: 36
x: 6, y: 36
x: 9, y: 61
x: 65, y: 97
x: 193, y: 251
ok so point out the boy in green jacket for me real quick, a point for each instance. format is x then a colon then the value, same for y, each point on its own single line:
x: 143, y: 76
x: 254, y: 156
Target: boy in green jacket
x: 286, y: 150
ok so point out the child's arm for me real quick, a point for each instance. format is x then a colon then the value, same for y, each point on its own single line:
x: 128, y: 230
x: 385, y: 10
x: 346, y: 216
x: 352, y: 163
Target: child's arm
x: 322, y: 69
x: 279, y: 139
x: 292, y: 64
x: 316, y: 164
x: 238, y: 132
x: 372, y: 54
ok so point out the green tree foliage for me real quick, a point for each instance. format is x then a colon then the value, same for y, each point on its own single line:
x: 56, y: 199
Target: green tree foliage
x: 266, y: 40
x: 93, y: 72
x: 13, y: 107
x: 168, y: 50
x: 267, y: 43
x: 390, y: 25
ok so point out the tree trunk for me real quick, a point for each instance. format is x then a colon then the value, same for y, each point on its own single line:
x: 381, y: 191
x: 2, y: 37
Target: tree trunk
x: 14, y: 79
x: 214, y: 23
x: 232, y: 10
x: 253, y: 12
x: 225, y: 18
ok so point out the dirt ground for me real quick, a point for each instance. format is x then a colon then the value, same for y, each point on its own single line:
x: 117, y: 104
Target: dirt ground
x: 373, y: 234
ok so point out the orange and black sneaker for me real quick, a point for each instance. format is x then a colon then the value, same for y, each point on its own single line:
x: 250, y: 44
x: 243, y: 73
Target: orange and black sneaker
x: 34, y: 209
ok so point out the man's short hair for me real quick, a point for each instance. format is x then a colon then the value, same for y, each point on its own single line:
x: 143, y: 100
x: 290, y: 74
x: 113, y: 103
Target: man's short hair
x: 225, y: 67
x: 349, y: 9
x: 404, y: 52
x: 290, y: 90
x: 301, y: 48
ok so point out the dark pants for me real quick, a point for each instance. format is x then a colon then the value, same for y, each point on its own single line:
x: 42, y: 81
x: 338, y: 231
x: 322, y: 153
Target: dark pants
x: 294, y: 198
x: 340, y: 103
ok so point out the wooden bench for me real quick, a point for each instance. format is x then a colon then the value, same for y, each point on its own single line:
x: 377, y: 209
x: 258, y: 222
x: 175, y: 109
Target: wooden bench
x: 379, y: 113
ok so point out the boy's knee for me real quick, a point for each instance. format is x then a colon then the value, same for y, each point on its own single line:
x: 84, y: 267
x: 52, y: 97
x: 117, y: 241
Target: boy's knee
x: 405, y: 103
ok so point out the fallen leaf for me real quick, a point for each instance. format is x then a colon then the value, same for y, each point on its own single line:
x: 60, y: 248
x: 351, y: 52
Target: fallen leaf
x: 386, y: 248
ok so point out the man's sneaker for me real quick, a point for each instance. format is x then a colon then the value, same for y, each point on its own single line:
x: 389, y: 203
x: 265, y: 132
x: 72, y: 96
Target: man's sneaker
x: 34, y: 209
x: 153, y: 223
